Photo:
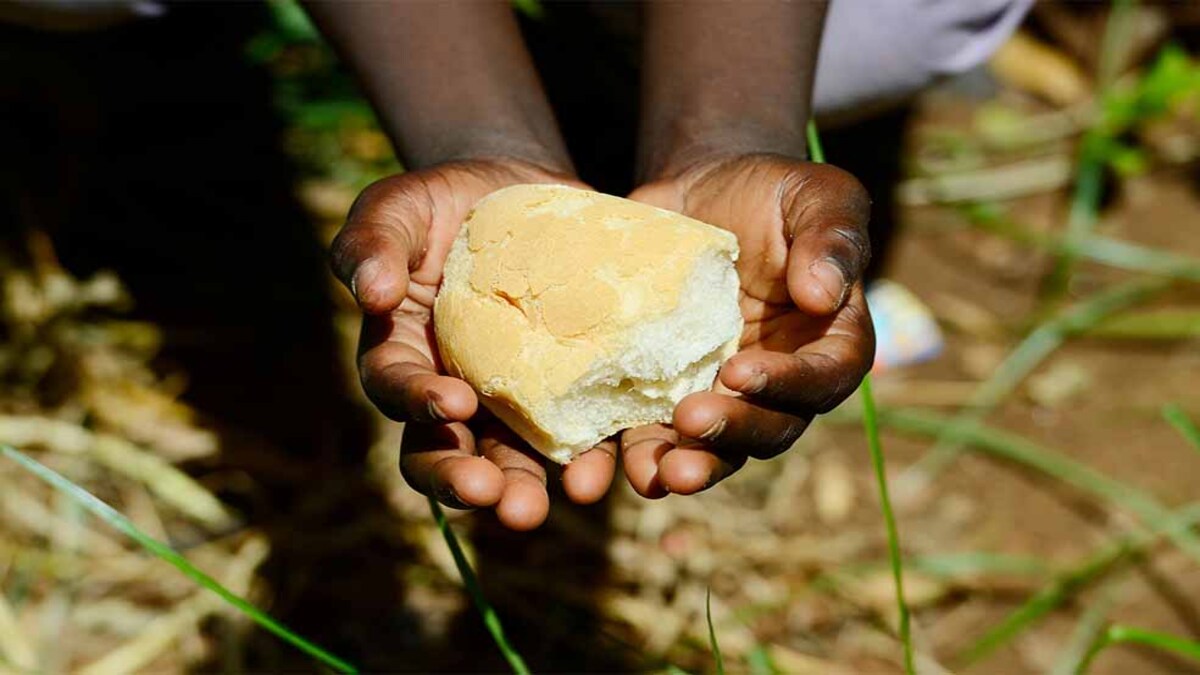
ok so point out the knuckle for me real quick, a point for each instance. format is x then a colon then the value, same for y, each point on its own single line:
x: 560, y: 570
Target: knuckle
x: 515, y: 473
x: 782, y: 440
x: 842, y: 201
x: 859, y: 243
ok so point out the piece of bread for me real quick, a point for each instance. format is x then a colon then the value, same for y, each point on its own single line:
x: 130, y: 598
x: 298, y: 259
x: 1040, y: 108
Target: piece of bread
x: 576, y: 314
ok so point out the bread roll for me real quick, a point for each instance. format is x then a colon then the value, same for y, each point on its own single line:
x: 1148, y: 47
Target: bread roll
x: 576, y: 314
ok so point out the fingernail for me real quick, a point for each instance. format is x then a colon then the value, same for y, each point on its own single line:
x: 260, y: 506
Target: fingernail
x: 435, y: 409
x: 364, y: 276
x: 448, y: 497
x: 755, y: 384
x: 715, y: 430
x: 831, y: 280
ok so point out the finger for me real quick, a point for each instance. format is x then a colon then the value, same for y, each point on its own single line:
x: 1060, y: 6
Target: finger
x: 525, y: 503
x: 440, y: 460
x: 402, y: 383
x: 815, y: 378
x: 642, y: 448
x: 587, y: 478
x: 735, y: 427
x: 688, y: 470
x: 383, y: 238
x: 825, y: 219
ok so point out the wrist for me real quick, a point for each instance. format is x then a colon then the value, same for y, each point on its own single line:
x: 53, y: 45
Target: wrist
x: 688, y: 143
x: 493, y: 145
x: 725, y: 79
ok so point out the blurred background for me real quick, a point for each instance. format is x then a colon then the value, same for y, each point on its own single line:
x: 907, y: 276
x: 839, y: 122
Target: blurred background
x: 174, y: 344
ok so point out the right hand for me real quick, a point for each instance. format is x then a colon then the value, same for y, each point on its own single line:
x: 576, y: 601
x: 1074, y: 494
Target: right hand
x: 390, y: 254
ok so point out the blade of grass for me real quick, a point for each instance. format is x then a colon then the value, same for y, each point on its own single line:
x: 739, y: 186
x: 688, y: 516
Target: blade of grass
x: 1021, y: 362
x: 1089, y: 178
x: 1136, y: 258
x: 1108, y: 251
x: 958, y: 565
x: 955, y: 566
x: 871, y: 423
x: 1040, y: 604
x: 760, y: 662
x: 1090, y: 626
x: 875, y: 446
x: 1119, y: 634
x: 1023, y: 451
x: 1161, y: 324
x: 1067, y: 584
x: 532, y: 9
x: 114, y: 519
x: 712, y: 633
x: 1179, y: 419
x: 490, y: 619
x: 1081, y: 220
x: 815, y: 150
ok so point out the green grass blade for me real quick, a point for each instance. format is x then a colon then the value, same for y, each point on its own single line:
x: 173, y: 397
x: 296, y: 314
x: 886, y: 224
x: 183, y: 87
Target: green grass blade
x: 1089, y: 177
x: 973, y: 563
x: 1072, y: 581
x: 1137, y: 258
x: 114, y: 519
x: 1156, y: 324
x: 875, y: 446
x: 871, y: 423
x: 760, y: 662
x: 490, y: 619
x: 815, y: 151
x: 1023, y: 451
x: 712, y: 633
x: 1131, y: 635
x: 1021, y: 362
x: 1090, y: 626
x: 1042, y: 603
x: 532, y: 9
x: 1179, y: 419
x: 1039, y: 605
x: 1081, y: 220
x: 1108, y: 251
x: 1171, y: 643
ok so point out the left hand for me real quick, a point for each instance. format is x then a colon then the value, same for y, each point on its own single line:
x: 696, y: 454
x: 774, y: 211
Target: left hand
x: 807, y: 342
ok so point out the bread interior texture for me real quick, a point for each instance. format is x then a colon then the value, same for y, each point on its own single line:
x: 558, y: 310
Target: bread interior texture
x: 662, y: 360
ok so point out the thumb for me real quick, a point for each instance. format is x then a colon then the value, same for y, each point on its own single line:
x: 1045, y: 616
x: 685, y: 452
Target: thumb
x: 383, y: 236
x: 372, y: 261
x: 825, y: 219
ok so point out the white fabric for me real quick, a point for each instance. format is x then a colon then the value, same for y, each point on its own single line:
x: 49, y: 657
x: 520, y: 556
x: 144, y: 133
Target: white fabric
x: 877, y: 52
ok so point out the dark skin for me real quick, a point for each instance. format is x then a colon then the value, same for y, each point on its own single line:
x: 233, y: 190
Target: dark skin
x: 727, y: 88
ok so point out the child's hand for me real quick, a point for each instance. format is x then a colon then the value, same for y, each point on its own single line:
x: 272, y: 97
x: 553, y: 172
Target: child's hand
x: 390, y: 254
x: 808, y: 340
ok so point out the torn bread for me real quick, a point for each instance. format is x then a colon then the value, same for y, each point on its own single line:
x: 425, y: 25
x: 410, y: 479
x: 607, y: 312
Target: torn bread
x: 576, y: 314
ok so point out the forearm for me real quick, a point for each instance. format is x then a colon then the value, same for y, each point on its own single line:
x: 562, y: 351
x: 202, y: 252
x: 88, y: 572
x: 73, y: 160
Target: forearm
x: 450, y: 80
x: 725, y: 78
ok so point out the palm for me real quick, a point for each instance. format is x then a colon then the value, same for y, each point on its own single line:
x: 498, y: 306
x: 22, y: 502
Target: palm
x: 392, y: 254
x: 441, y: 198
x: 746, y: 202
x: 807, y: 340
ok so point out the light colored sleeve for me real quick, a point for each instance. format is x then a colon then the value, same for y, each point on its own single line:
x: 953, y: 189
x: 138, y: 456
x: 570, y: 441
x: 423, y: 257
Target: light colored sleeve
x: 876, y: 53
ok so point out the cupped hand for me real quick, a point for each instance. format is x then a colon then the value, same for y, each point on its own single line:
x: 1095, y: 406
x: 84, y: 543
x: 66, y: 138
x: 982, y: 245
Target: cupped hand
x: 808, y: 341
x: 390, y: 254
